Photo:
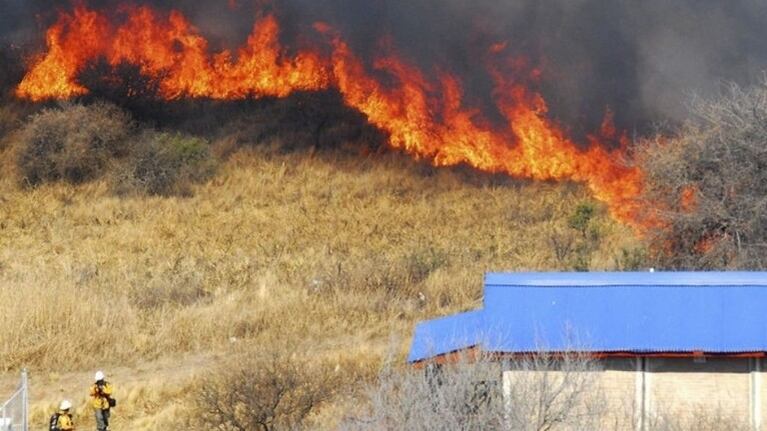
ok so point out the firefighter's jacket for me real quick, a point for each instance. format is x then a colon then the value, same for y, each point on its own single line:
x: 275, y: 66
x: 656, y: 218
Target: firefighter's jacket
x: 100, y: 398
x: 65, y: 421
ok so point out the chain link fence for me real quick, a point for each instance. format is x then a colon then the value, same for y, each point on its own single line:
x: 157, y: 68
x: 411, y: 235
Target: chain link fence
x: 13, y: 412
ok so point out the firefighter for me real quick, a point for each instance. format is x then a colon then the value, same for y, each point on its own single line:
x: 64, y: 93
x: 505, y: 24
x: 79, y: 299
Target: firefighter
x: 62, y: 419
x: 102, y: 401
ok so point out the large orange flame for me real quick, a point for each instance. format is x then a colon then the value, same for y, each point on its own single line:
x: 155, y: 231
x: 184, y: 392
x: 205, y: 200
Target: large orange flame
x: 426, y: 117
x: 170, y: 47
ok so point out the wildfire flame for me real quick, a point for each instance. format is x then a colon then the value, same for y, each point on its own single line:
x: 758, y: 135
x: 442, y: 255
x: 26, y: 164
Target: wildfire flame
x: 426, y: 117
x: 172, y: 48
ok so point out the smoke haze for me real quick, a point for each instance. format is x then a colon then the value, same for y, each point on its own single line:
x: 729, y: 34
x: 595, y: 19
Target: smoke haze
x: 642, y: 59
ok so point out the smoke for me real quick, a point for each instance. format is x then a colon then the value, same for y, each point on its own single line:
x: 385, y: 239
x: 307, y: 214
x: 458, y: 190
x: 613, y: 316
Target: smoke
x: 643, y: 60
x: 17, y: 21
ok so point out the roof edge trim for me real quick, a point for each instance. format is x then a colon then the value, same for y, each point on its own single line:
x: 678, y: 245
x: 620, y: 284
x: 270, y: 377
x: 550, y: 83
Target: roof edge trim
x: 606, y: 279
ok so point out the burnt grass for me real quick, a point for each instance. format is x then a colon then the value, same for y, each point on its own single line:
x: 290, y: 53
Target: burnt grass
x: 319, y: 119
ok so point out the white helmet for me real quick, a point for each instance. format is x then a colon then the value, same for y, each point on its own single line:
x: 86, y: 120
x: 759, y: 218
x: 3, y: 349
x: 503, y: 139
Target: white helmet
x: 99, y: 375
x: 65, y: 405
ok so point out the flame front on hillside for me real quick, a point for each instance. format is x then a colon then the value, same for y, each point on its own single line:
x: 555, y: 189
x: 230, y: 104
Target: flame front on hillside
x: 424, y: 116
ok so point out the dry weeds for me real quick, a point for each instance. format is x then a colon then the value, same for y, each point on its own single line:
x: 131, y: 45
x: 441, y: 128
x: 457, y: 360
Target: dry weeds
x: 334, y: 252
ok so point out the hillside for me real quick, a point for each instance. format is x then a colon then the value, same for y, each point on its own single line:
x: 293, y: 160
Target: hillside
x: 324, y: 255
x: 241, y: 210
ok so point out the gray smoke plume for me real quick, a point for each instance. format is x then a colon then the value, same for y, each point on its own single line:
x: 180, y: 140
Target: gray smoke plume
x: 642, y: 59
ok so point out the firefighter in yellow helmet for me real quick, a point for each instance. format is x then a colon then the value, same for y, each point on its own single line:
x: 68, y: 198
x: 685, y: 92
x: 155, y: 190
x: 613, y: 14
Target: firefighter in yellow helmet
x: 102, y: 401
x: 62, y: 420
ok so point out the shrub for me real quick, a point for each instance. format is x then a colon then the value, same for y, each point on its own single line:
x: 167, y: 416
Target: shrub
x: 9, y: 120
x: 303, y: 121
x: 73, y: 143
x: 706, y: 185
x: 124, y: 85
x: 580, y: 220
x: 545, y: 393
x: 165, y: 164
x: 78, y: 143
x: 458, y: 396
x: 576, y: 245
x: 272, y: 391
x: 630, y: 259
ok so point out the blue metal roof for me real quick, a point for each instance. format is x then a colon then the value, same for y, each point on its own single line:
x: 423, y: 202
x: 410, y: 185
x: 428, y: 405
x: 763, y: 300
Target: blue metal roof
x: 626, y: 278
x: 447, y: 334
x: 683, y: 312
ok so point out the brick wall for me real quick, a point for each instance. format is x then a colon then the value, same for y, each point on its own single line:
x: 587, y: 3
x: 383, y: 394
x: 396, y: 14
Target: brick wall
x: 683, y: 387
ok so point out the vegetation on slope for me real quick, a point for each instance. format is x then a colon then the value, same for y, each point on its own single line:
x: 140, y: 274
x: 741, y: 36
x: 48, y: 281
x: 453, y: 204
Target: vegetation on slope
x: 317, y: 256
x: 708, y: 181
x: 181, y: 251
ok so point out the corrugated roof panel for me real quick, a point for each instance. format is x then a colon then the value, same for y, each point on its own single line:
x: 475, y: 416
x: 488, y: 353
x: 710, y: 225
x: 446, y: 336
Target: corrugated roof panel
x: 613, y: 318
x: 445, y: 335
x: 713, y: 312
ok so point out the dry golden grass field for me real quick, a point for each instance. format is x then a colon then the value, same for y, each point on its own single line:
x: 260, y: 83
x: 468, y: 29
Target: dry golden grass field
x: 328, y: 257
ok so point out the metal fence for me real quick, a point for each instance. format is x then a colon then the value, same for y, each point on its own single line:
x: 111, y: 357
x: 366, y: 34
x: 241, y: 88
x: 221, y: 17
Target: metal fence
x: 13, y: 413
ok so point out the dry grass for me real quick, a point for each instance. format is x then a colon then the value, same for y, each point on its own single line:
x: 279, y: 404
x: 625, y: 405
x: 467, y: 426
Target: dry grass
x: 335, y: 253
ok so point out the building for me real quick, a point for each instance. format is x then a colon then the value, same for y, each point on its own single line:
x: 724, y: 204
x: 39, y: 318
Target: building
x: 667, y: 343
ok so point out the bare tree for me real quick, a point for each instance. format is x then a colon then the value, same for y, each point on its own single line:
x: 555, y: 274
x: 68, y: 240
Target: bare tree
x: 460, y: 396
x: 268, y: 392
x: 706, y: 184
x: 553, y: 391
x: 539, y: 392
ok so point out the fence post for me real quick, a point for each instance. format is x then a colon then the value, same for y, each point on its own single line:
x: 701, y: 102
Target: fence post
x: 14, y: 412
x: 25, y: 400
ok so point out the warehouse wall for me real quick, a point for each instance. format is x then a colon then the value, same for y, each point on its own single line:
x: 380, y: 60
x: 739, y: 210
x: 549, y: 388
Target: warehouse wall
x: 640, y: 393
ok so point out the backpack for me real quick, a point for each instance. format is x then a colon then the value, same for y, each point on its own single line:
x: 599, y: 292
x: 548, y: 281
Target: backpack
x: 54, y: 425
